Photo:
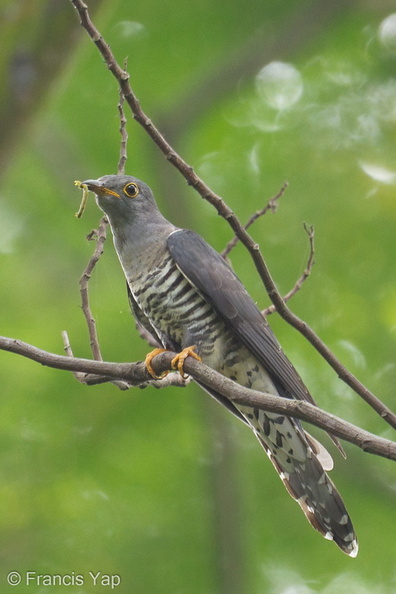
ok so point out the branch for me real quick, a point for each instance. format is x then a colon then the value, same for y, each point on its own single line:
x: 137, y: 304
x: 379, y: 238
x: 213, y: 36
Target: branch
x: 311, y: 236
x: 194, y: 180
x: 271, y: 205
x: 136, y: 374
x: 124, y: 136
x: 99, y: 235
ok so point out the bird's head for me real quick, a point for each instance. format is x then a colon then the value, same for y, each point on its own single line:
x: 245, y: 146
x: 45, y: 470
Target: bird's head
x: 123, y: 197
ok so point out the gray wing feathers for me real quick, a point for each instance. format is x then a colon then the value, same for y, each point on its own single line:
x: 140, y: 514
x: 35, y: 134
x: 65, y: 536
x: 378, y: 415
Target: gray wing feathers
x: 219, y: 285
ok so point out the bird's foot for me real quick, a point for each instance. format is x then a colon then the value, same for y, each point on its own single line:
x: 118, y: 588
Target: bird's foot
x: 149, y: 357
x: 178, y: 361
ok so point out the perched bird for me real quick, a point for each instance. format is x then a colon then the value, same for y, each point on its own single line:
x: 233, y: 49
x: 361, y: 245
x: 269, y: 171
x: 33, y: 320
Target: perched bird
x: 185, y: 295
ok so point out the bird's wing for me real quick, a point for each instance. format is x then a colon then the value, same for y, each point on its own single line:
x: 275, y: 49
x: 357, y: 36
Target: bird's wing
x: 220, y: 287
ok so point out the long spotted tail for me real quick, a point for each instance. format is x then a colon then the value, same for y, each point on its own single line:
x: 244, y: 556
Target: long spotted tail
x: 319, y: 499
x: 301, y: 463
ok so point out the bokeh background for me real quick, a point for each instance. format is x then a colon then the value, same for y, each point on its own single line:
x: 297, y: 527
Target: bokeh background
x: 162, y: 487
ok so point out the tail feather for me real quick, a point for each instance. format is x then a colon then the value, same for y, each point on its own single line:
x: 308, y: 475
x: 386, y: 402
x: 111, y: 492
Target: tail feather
x: 317, y: 496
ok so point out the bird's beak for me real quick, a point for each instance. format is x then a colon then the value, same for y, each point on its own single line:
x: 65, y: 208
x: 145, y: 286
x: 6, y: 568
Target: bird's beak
x: 94, y: 185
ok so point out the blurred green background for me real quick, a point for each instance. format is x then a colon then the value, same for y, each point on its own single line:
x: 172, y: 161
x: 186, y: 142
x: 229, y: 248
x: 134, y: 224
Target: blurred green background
x: 164, y: 488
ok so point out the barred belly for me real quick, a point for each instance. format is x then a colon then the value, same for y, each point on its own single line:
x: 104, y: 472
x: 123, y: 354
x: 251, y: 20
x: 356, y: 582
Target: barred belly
x: 176, y: 310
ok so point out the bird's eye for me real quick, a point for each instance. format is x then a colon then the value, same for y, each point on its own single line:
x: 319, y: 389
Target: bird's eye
x: 131, y: 190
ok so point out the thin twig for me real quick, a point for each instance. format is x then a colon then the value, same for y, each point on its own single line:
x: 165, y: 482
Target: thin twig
x: 272, y: 205
x: 99, y: 235
x: 79, y: 376
x: 300, y: 281
x: 194, y: 180
x: 136, y: 374
x: 124, y: 135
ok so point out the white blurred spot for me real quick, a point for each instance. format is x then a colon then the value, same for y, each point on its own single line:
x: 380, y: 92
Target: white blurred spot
x: 378, y: 173
x: 381, y: 101
x: 265, y: 124
x: 387, y: 33
x: 11, y: 227
x: 280, y: 85
x: 386, y: 373
x: 95, y: 494
x: 254, y: 159
x: 131, y: 28
x: 283, y: 580
x: 356, y: 354
x: 210, y: 167
x: 353, y: 583
x: 82, y: 431
x: 29, y: 432
x: 342, y: 73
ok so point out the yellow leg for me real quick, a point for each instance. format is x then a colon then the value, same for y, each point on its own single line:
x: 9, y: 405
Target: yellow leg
x: 178, y: 361
x: 149, y: 357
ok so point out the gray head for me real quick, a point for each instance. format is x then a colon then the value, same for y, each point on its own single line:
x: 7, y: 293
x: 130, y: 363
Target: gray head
x: 124, y: 199
x: 133, y: 214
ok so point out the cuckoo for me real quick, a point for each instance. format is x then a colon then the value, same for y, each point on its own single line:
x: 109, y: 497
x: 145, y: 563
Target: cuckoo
x: 187, y: 298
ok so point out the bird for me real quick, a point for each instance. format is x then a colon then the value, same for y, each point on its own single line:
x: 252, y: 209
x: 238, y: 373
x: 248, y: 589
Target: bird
x: 188, y: 299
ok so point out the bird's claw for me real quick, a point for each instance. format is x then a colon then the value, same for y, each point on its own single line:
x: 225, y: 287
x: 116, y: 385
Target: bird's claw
x: 149, y: 357
x: 178, y: 361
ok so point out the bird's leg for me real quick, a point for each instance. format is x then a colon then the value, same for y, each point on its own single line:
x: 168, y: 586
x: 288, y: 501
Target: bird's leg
x: 149, y: 357
x: 178, y: 361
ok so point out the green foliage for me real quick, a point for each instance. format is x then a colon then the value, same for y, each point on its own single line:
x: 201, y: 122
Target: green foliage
x: 97, y: 480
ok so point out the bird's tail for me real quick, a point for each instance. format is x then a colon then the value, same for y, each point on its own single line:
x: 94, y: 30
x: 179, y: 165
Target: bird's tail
x: 309, y: 484
x: 301, y: 463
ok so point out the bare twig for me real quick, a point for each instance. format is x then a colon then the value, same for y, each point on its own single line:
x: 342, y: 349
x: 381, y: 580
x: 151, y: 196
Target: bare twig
x: 310, y: 262
x: 79, y: 376
x: 136, y: 374
x: 271, y: 205
x: 99, y: 235
x: 124, y: 136
x: 192, y: 179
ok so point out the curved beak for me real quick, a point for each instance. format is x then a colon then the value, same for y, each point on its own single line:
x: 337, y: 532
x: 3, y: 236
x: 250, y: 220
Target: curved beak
x: 95, y: 185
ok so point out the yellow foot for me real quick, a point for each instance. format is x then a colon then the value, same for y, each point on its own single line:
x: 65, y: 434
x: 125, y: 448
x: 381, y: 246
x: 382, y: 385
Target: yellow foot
x: 178, y: 361
x: 149, y: 357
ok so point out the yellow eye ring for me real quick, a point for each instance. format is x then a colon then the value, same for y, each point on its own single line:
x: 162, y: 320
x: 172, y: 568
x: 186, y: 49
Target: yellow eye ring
x: 131, y: 190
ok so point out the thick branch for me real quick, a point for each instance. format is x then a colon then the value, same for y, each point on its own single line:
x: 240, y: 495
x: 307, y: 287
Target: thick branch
x: 136, y: 374
x: 192, y: 179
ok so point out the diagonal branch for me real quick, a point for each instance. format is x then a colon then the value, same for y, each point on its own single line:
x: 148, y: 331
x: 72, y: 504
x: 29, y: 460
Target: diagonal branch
x: 194, y: 180
x: 136, y: 374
